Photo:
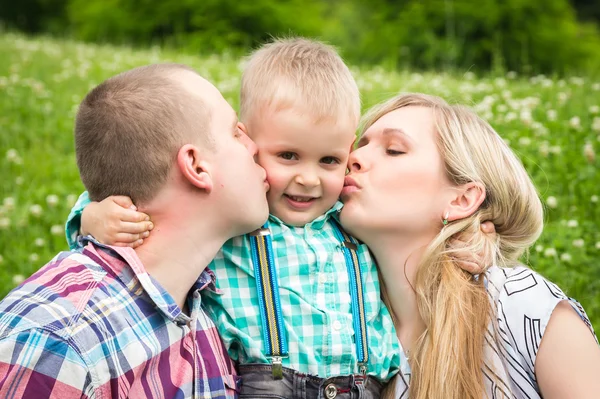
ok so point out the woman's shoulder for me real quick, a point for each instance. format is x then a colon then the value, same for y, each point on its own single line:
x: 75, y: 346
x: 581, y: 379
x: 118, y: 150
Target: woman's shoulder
x: 524, y: 301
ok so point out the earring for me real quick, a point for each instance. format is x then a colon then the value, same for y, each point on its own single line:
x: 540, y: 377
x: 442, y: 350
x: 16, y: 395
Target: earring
x: 445, y: 221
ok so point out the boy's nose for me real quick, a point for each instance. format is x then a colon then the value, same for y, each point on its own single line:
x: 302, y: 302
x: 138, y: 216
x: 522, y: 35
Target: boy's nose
x: 307, y: 179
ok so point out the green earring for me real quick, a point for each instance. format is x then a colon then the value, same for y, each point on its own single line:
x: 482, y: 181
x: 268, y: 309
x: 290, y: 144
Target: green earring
x: 445, y: 221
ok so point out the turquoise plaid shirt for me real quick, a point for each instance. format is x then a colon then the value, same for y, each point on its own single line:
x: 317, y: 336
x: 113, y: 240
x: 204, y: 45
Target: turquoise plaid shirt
x: 315, y: 299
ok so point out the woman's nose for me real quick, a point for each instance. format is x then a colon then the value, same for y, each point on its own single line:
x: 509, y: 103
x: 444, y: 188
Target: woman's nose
x: 354, y: 163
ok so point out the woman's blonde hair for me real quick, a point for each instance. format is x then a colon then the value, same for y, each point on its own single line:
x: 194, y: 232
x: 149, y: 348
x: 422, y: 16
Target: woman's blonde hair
x: 448, y: 358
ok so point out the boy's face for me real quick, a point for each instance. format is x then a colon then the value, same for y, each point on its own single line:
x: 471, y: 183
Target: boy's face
x: 305, y: 162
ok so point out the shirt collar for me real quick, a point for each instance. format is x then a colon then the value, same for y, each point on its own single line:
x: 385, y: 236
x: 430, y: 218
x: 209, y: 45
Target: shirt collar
x: 125, y: 265
x: 318, y: 222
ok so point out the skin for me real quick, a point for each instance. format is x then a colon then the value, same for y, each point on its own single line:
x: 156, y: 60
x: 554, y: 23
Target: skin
x: 396, y: 196
x: 305, y: 162
x: 210, y: 197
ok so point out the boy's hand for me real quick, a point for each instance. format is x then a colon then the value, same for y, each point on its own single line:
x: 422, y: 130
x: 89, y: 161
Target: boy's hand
x: 474, y: 263
x: 116, y: 221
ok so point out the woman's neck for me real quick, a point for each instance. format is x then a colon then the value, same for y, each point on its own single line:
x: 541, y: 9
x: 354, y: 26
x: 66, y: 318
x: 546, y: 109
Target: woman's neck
x: 398, y: 260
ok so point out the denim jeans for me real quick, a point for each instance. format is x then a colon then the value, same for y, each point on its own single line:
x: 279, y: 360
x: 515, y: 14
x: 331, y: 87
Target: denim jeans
x: 258, y: 382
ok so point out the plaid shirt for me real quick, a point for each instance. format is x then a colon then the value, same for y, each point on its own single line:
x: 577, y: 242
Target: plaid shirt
x: 96, y: 325
x: 315, y: 300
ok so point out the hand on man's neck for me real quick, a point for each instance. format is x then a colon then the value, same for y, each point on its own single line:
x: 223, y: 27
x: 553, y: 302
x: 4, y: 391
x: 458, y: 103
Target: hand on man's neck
x: 177, y: 251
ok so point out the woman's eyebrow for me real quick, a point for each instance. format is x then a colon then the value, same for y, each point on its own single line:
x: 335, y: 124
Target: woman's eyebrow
x: 398, y: 133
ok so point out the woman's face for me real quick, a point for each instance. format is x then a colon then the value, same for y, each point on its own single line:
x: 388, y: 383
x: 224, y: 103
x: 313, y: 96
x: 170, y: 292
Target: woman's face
x: 397, y: 183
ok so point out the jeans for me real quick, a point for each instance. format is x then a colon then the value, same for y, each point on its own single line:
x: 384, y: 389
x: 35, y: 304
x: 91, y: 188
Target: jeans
x: 258, y: 382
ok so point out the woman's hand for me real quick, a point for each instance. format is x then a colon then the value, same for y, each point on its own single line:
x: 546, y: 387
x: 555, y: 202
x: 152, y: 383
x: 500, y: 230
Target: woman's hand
x: 116, y: 221
x: 474, y: 263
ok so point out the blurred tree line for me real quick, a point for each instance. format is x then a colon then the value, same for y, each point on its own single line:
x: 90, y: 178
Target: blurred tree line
x: 531, y: 36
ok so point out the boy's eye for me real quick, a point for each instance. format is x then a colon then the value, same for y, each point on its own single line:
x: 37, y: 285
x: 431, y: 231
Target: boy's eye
x: 288, y: 156
x: 330, y: 160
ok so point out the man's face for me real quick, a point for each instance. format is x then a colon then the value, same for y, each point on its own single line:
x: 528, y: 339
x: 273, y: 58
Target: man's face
x: 239, y: 183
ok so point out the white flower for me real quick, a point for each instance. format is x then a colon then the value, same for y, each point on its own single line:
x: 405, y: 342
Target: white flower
x: 552, y: 202
x: 36, y: 210
x: 511, y: 74
x: 525, y: 141
x: 596, y: 124
x: 12, y: 155
x: 555, y: 149
x: 594, y: 198
x: 550, y: 252
x: 575, y: 122
x: 578, y: 243
x: 18, y: 279
x: 539, y: 248
x: 594, y: 109
x: 596, y: 86
x: 56, y: 230
x: 588, y: 152
x: 71, y: 200
x: 4, y: 223
x: 19, y: 180
x: 52, y: 200
x: 598, y: 245
x: 566, y: 257
x: 1, y: 259
x: 551, y: 114
x: 39, y: 242
x: 9, y: 203
x: 34, y: 257
x: 572, y: 223
x: 562, y: 96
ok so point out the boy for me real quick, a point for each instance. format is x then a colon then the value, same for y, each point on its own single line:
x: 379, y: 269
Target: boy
x: 312, y: 322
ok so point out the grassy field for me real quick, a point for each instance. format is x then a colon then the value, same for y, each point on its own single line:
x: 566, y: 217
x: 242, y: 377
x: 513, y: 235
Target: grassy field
x: 553, y: 124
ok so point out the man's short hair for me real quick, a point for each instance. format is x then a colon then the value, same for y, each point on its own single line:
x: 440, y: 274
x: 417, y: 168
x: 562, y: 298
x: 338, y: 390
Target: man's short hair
x: 129, y: 129
x: 298, y: 72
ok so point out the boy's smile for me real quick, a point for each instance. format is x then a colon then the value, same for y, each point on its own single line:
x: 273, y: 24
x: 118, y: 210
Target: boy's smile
x: 305, y: 162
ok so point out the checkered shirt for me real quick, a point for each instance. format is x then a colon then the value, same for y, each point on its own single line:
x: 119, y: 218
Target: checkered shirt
x: 315, y: 300
x: 96, y: 325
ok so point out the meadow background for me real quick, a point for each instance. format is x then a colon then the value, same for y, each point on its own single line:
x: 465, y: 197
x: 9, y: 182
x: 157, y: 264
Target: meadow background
x: 532, y: 68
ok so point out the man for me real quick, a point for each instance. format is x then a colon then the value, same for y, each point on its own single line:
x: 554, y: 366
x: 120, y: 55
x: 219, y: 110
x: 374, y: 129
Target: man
x: 114, y: 322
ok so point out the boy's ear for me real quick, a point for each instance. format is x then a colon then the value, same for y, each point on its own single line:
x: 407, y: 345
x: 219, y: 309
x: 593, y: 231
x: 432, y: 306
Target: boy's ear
x: 466, y: 201
x: 194, y: 168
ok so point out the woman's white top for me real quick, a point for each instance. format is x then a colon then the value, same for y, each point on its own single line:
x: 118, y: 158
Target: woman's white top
x: 524, y: 302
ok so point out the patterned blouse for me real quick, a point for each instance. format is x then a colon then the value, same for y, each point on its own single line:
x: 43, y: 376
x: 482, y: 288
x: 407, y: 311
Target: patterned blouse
x: 524, y: 302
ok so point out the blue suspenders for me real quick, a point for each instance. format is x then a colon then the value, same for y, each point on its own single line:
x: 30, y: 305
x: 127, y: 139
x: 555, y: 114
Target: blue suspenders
x: 265, y: 272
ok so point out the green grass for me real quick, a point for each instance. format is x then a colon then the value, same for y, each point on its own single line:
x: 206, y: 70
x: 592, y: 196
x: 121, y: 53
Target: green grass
x: 554, y: 126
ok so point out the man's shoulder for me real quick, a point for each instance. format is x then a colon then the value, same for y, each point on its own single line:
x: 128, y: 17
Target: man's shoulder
x: 54, y: 297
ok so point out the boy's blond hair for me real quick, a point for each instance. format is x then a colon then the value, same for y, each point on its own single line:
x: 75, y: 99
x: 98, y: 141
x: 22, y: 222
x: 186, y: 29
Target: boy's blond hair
x: 298, y: 72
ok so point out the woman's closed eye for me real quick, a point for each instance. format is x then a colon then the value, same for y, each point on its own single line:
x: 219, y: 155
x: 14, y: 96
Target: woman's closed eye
x: 394, y: 152
x: 288, y: 155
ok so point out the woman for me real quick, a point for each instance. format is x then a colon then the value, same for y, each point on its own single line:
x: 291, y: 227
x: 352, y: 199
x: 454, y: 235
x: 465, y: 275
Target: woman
x: 423, y: 172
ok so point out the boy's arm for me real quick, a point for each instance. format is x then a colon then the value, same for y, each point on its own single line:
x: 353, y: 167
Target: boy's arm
x: 113, y: 221
x: 38, y: 364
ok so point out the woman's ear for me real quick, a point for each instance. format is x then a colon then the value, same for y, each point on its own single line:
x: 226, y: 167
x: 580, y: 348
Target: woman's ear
x: 194, y: 168
x: 466, y: 202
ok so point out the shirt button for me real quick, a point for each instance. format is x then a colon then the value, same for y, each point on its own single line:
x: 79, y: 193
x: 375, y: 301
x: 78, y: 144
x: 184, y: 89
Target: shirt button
x: 322, y: 278
x: 337, y: 325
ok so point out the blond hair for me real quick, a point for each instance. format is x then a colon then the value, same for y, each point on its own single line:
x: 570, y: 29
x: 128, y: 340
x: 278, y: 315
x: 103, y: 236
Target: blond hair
x: 298, y: 72
x: 129, y: 128
x: 448, y: 358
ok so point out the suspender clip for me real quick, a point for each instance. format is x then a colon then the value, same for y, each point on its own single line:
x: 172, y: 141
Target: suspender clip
x: 276, y: 367
x: 350, y: 245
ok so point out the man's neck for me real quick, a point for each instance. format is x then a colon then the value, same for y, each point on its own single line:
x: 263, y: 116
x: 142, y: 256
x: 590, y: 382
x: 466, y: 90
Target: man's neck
x: 177, y: 251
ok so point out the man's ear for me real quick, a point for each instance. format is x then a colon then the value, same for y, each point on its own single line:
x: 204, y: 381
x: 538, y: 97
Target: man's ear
x: 194, y: 168
x: 466, y: 201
